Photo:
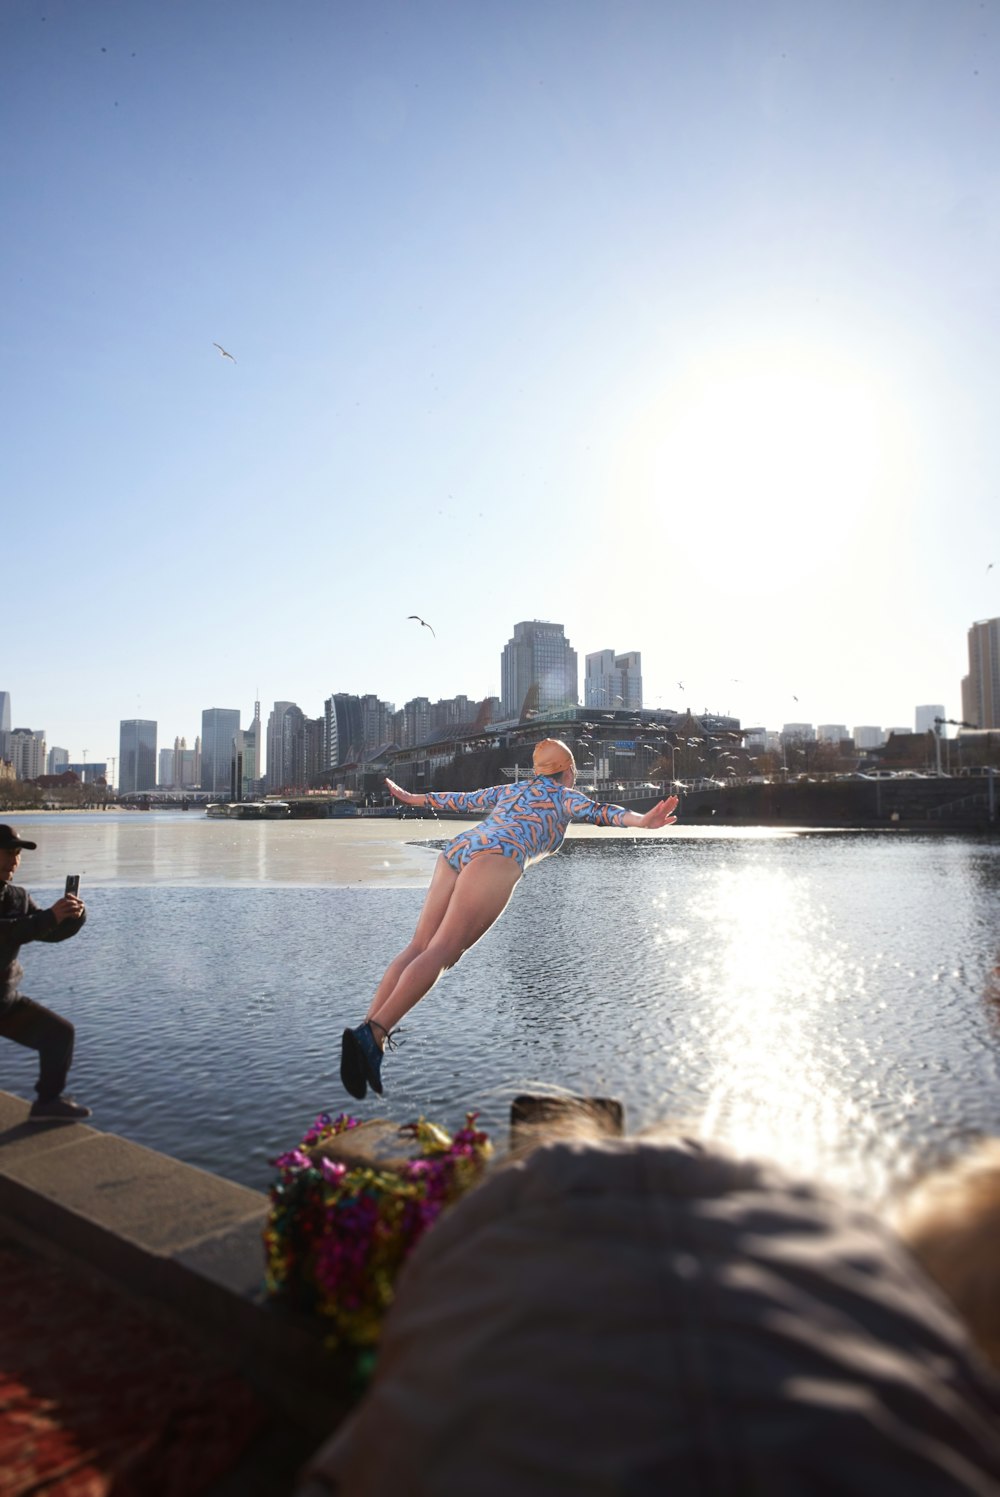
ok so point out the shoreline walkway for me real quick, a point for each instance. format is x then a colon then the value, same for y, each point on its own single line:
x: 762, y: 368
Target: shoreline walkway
x: 138, y: 1352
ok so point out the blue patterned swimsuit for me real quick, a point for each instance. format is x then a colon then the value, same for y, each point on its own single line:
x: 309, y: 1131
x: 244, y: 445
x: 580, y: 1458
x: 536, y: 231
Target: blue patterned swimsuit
x: 525, y: 821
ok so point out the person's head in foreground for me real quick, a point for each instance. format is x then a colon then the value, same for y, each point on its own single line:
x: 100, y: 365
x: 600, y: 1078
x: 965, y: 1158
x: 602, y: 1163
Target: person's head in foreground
x: 651, y: 1316
x: 951, y: 1222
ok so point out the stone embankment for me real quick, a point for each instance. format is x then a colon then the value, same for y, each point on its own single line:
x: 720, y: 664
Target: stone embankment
x: 177, y: 1237
x: 945, y: 805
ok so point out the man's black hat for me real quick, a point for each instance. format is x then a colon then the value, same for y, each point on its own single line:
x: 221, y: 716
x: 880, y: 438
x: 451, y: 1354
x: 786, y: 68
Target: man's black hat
x: 9, y: 839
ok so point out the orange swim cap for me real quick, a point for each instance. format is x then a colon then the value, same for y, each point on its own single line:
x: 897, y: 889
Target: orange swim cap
x: 552, y: 756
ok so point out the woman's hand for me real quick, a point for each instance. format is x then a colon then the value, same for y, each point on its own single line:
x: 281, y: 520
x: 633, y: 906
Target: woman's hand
x: 661, y: 814
x: 404, y: 795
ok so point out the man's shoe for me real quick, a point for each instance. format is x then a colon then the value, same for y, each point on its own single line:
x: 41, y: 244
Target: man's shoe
x: 352, y: 1066
x: 58, y: 1110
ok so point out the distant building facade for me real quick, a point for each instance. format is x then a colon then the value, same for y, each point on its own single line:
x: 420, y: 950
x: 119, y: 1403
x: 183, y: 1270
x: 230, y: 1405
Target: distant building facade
x: 345, y: 730
x: 136, y: 755
x: 283, y: 722
x: 981, y: 687
x: 924, y: 718
x: 57, y: 760
x: 832, y: 732
x: 5, y: 725
x: 93, y: 773
x: 244, y: 769
x: 376, y: 722
x: 613, y: 681
x: 27, y: 752
x: 219, y: 726
x: 539, y: 660
x: 868, y: 737
x: 179, y: 766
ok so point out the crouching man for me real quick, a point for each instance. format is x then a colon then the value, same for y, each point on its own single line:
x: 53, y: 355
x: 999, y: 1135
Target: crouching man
x: 22, y: 1020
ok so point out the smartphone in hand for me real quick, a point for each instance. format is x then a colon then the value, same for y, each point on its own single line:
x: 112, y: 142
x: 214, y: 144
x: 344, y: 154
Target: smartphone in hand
x: 73, y: 884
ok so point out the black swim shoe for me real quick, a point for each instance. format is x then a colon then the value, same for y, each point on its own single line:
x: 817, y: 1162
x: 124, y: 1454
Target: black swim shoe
x: 352, y: 1066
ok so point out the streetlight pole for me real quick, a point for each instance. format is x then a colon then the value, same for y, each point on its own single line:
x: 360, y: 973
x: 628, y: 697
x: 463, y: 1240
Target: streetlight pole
x: 953, y: 722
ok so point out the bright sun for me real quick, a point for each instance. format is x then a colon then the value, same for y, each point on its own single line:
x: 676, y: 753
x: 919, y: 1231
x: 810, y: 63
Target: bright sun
x: 771, y: 448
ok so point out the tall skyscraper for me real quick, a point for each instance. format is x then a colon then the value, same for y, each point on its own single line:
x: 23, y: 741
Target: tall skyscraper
x: 538, y: 658
x: 219, y: 726
x: 136, y: 755
x: 981, y: 687
x: 5, y: 724
x: 612, y: 680
x: 244, y: 769
x: 277, y: 769
x: 58, y: 759
x: 345, y: 729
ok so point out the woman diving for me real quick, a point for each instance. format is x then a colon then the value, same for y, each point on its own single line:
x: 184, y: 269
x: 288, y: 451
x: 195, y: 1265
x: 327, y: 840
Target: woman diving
x: 472, y: 881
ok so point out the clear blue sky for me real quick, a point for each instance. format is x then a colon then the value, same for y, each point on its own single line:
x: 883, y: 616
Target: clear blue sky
x: 674, y: 323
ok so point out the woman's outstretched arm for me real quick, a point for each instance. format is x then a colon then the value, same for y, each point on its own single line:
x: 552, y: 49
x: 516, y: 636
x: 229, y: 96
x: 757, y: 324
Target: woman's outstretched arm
x: 601, y: 813
x: 474, y: 801
x: 661, y: 814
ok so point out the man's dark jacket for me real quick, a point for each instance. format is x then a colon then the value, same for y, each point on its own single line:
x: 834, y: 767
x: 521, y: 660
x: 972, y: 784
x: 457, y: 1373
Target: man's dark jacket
x: 21, y: 921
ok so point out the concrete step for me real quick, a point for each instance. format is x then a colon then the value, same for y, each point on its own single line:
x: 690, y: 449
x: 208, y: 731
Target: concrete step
x: 176, y: 1235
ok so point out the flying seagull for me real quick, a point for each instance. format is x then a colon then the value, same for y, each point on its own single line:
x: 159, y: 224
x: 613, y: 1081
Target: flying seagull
x: 421, y: 621
x: 223, y: 351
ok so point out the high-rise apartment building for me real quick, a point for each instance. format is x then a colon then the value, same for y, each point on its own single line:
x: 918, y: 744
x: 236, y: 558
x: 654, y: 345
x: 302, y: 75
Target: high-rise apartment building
x: 868, y: 737
x: 345, y: 729
x: 136, y: 755
x: 57, y: 760
x: 416, y: 716
x: 309, y: 741
x: 612, y: 680
x: 831, y: 732
x: 376, y: 721
x: 219, y: 726
x: 538, y: 659
x: 981, y: 687
x: 27, y: 752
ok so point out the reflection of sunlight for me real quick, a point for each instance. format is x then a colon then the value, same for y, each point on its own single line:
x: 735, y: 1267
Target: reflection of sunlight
x: 775, y: 1089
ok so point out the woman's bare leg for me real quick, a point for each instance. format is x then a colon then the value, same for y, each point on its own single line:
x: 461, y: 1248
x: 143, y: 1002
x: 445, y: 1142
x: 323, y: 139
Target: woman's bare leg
x: 436, y: 899
x: 476, y: 898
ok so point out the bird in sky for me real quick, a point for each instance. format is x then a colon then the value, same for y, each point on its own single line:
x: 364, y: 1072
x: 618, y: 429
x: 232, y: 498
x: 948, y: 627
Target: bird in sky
x: 223, y: 351
x: 419, y: 620
x: 989, y: 567
x: 680, y: 685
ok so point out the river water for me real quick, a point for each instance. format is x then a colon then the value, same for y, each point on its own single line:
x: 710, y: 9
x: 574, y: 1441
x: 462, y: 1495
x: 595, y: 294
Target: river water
x: 827, y: 1000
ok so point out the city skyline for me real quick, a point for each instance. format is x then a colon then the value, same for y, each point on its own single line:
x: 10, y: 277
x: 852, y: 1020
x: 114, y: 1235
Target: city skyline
x: 674, y: 324
x: 345, y: 710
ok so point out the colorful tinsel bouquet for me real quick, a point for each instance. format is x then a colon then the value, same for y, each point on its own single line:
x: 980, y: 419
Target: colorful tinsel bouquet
x: 339, y: 1230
